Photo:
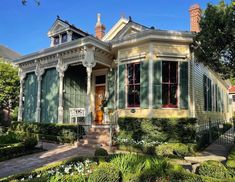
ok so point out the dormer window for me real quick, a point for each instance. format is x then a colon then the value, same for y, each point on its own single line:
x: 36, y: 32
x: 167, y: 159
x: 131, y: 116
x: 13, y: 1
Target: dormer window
x: 64, y: 37
x: 56, y: 40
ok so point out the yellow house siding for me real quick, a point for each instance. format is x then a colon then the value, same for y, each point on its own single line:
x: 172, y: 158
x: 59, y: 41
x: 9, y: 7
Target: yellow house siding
x: 154, y: 113
x: 204, y: 116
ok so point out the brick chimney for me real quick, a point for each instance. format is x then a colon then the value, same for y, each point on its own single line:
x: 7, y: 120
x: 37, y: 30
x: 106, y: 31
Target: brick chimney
x: 99, y: 28
x: 195, y: 17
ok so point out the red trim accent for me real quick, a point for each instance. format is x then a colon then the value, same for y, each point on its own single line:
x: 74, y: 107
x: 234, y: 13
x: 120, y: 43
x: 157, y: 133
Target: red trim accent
x: 169, y: 83
x: 133, y: 84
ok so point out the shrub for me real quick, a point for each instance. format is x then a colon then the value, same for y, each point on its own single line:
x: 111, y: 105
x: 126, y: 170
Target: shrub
x: 11, y: 150
x: 105, y: 172
x: 9, y: 138
x: 231, y: 158
x: 158, y: 129
x: 63, y: 133
x: 173, y: 150
x: 101, y: 152
x: 213, y: 169
x: 30, y: 142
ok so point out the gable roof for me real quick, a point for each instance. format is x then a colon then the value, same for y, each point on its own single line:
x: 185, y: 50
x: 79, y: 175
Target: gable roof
x: 8, y: 54
x: 62, y: 25
x: 232, y: 90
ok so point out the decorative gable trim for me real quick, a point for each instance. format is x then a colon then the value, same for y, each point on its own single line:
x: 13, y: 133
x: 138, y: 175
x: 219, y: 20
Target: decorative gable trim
x: 115, y: 29
x: 55, y: 30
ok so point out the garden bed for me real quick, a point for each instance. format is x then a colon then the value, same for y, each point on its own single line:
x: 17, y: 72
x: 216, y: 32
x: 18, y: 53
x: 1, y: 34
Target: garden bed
x: 112, y: 168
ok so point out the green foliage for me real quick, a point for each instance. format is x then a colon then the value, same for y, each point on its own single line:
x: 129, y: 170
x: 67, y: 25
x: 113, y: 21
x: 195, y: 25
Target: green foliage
x: 101, y: 152
x: 11, y: 150
x: 9, y: 138
x: 213, y: 169
x: 173, y: 150
x: 14, y: 114
x: 105, y: 172
x: 217, y: 35
x: 65, y: 178
x: 30, y: 142
x: 63, y: 133
x: 142, y: 167
x: 9, y: 85
x: 231, y: 158
x: 156, y: 129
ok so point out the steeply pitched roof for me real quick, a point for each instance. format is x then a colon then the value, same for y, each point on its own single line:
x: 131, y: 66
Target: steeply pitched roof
x: 8, y: 54
x: 232, y: 90
x: 65, y: 24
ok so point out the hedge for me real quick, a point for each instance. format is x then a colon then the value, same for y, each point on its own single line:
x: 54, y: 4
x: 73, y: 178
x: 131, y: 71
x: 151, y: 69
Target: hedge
x: 60, y: 133
x: 231, y: 158
x: 182, y: 130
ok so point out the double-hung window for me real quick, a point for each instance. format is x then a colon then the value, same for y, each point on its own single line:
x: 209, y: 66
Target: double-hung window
x: 133, y: 85
x: 169, y: 84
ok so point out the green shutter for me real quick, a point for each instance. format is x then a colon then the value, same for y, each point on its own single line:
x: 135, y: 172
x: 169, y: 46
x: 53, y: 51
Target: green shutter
x: 144, y: 83
x: 205, y: 92
x: 111, y: 89
x: 157, y: 84
x: 209, y: 95
x: 75, y: 87
x: 50, y: 96
x: 184, y: 85
x: 121, y: 93
x: 30, y: 97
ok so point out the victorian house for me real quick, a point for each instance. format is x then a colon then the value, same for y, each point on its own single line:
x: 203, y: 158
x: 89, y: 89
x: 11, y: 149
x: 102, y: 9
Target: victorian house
x: 132, y: 70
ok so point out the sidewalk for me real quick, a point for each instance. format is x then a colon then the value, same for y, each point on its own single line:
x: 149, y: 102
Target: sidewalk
x: 218, y: 150
x: 55, y: 153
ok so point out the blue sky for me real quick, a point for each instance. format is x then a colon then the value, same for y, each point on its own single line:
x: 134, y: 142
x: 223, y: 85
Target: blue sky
x: 24, y: 28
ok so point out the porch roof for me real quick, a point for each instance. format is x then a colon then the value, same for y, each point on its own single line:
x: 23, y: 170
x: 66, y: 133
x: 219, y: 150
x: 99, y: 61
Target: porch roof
x: 86, y: 41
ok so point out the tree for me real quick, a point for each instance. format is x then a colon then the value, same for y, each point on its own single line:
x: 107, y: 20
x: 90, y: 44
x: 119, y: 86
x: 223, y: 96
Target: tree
x: 216, y: 40
x: 9, y: 85
x: 24, y: 2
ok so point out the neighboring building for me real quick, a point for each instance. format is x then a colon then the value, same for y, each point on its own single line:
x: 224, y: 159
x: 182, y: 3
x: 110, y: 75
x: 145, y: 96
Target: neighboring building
x: 8, y: 54
x: 232, y: 97
x: 138, y: 71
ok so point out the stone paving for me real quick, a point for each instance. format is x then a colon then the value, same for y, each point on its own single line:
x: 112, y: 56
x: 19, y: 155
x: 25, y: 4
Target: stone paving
x: 218, y: 150
x: 55, y: 153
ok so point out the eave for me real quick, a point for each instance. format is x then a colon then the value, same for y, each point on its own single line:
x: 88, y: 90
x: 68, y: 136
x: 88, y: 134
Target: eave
x: 86, y: 41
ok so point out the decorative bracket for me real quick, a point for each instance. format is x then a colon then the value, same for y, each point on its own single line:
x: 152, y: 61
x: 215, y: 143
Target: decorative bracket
x: 61, y: 67
x: 89, y: 60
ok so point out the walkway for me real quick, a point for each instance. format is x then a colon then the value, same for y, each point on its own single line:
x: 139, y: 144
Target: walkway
x: 55, y: 153
x: 218, y: 150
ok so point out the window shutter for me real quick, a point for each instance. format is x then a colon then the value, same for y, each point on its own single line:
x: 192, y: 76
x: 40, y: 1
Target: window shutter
x: 184, y: 85
x: 157, y: 84
x: 111, y: 89
x: 144, y: 83
x: 209, y: 95
x: 122, y: 87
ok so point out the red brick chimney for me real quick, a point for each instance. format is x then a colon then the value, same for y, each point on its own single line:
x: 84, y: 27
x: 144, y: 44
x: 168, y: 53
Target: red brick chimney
x: 195, y: 17
x: 99, y: 28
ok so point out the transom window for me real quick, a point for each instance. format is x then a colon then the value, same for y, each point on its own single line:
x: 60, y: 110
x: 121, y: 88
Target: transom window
x: 133, y: 85
x: 169, y: 84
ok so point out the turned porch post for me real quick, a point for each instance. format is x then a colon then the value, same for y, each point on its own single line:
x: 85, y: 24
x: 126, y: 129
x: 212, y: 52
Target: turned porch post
x: 20, y: 112
x: 89, y: 63
x: 61, y: 68
x: 39, y: 72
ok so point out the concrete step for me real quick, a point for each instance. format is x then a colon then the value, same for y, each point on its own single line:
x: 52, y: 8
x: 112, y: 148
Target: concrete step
x: 99, y: 130
x: 92, y: 136
x: 93, y: 141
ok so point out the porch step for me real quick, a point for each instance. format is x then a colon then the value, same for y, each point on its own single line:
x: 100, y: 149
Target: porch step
x: 96, y: 137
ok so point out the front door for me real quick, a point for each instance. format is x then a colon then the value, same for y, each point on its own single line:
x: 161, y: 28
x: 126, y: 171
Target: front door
x: 99, y: 98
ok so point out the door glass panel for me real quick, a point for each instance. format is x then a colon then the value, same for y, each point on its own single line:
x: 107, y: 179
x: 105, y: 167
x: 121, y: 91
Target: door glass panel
x: 100, y: 79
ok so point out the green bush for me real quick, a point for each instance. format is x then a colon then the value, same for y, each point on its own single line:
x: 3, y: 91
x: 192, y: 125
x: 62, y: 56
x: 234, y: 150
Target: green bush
x: 9, y: 138
x: 62, y: 133
x: 101, y: 152
x: 231, y: 158
x: 158, y: 129
x: 173, y: 150
x: 105, y: 172
x: 11, y: 150
x: 213, y: 169
x: 30, y: 142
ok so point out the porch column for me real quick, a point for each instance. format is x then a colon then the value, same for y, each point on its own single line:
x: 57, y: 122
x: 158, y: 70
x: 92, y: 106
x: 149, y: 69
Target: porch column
x: 39, y: 72
x: 20, y: 112
x: 61, y: 68
x: 89, y: 63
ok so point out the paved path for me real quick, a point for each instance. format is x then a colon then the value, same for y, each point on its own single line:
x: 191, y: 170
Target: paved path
x: 218, y: 150
x: 55, y: 153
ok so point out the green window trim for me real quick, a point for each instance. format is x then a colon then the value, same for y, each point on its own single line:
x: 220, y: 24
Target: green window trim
x: 184, y: 85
